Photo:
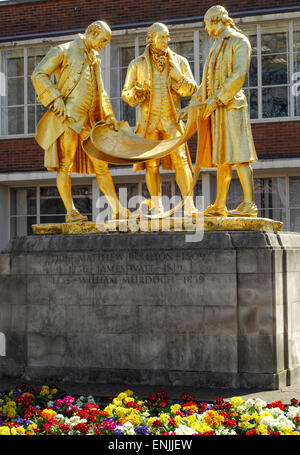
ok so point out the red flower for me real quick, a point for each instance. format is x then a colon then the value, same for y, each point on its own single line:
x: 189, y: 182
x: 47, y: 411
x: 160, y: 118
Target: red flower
x: 187, y: 397
x: 276, y: 404
x: 162, y: 404
x: 251, y: 432
x: 294, y: 402
x: 172, y: 422
x: 209, y: 433
x: 179, y: 413
x: 30, y: 412
x: 151, y: 398
x: 64, y: 427
x: 82, y: 414
x: 134, y: 405
x: 230, y: 423
x: 157, y: 423
x: 82, y: 427
x: 162, y: 395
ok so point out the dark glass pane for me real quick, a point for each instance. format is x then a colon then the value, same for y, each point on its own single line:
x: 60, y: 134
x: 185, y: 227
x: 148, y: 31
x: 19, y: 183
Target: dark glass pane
x: 275, y: 102
x: 15, y: 87
x: 33, y: 62
x: 78, y: 190
x: 83, y: 204
x: 46, y: 191
x: 252, y: 76
x: 184, y: 48
x: 274, y: 70
x: 22, y: 201
x: 30, y: 92
x: 126, y: 55
x: 272, y: 43
x: 15, y: 66
x: 270, y: 196
x: 52, y: 219
x: 12, y: 120
x: 251, y: 95
x: 127, y: 113
x: 235, y: 194
x: 51, y: 206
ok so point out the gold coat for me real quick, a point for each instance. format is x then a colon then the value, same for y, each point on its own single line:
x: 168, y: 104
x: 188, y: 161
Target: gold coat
x: 225, y: 72
x: 67, y: 61
x: 140, y: 71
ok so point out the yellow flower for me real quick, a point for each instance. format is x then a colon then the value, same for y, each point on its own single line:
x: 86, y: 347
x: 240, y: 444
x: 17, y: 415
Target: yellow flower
x: 190, y: 419
x: 287, y: 430
x: 175, y: 408
x: 48, y: 413
x: 244, y: 425
x: 151, y: 420
x: 120, y: 411
x: 246, y: 417
x: 132, y: 418
x: 129, y: 393
x: 127, y: 399
x: 255, y: 417
x: 4, y: 430
x: 117, y: 402
x: 201, y: 427
x: 54, y: 391
x: 13, y: 431
x: 262, y: 429
x: 32, y: 426
x: 164, y: 418
x: 45, y: 390
x: 178, y: 419
x: 109, y: 408
x: 20, y: 430
x: 121, y: 396
x: 236, y: 401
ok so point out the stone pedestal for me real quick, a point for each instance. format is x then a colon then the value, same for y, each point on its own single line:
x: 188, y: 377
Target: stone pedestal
x: 153, y: 308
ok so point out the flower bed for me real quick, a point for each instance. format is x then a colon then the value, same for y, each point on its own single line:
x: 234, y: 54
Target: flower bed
x: 49, y: 411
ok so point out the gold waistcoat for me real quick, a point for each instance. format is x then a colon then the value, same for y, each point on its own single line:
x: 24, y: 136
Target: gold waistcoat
x: 161, y: 114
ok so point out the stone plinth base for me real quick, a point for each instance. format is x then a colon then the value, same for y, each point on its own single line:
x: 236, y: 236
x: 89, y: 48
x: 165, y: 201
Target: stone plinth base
x: 161, y: 225
x: 153, y: 308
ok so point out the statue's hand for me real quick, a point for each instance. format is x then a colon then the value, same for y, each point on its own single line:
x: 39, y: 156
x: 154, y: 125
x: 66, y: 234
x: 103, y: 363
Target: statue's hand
x: 141, y: 93
x: 112, y: 119
x: 58, y: 107
x: 211, y: 105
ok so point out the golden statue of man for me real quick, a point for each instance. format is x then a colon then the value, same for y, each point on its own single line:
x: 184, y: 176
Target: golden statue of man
x: 225, y: 72
x: 76, y: 101
x: 155, y: 82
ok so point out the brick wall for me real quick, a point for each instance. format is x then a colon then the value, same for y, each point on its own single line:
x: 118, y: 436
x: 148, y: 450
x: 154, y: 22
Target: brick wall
x: 58, y: 15
x: 272, y: 140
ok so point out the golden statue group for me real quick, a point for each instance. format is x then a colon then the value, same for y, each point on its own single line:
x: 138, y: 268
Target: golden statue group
x: 155, y: 83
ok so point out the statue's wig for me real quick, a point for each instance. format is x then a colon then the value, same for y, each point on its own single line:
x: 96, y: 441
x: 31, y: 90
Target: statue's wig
x: 98, y: 27
x: 157, y: 26
x: 218, y: 13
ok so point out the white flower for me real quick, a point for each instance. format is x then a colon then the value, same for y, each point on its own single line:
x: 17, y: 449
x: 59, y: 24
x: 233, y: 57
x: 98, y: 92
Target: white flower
x: 184, y: 430
x: 293, y: 412
x: 255, y: 403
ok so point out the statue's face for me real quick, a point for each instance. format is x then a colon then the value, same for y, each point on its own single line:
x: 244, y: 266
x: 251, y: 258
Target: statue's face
x: 98, y: 40
x: 161, y: 40
x: 211, y: 27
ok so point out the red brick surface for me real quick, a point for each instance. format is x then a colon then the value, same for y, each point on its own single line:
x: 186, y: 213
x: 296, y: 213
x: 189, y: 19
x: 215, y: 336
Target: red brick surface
x: 272, y: 140
x: 59, y: 15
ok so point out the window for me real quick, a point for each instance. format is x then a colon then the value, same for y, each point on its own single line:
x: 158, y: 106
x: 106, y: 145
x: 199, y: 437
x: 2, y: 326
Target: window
x: 121, y: 54
x: 43, y: 204
x: 19, y: 110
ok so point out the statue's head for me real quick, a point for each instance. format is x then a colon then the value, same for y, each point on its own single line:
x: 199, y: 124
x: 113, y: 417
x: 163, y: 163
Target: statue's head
x: 215, y: 17
x: 158, y: 36
x: 97, y: 35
